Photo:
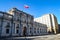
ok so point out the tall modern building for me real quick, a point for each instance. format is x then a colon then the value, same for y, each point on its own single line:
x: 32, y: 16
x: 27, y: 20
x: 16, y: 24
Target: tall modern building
x: 50, y: 20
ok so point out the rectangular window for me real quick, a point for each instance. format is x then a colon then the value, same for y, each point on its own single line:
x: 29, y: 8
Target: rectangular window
x: 38, y: 31
x: 30, y: 31
x: 17, y: 31
x: 7, y: 31
x: 34, y: 31
x: 18, y: 19
x: 14, y: 24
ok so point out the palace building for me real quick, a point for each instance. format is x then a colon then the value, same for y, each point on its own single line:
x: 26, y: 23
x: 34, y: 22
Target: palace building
x: 39, y: 28
x: 18, y: 23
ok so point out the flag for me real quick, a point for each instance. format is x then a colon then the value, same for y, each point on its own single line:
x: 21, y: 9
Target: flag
x: 26, y: 6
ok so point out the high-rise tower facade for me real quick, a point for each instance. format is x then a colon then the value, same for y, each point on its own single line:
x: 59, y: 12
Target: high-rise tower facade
x: 50, y: 20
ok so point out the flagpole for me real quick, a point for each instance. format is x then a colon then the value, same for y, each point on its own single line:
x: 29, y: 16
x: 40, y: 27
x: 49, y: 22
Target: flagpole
x: 26, y: 7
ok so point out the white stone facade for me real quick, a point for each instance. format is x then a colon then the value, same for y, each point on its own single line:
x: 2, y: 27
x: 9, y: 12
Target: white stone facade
x: 39, y: 29
x: 19, y: 23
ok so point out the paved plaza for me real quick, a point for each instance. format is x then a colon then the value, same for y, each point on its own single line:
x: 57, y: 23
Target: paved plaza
x: 46, y: 37
x: 49, y: 37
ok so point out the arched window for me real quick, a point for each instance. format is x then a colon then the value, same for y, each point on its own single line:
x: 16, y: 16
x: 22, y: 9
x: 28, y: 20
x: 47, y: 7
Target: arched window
x: 7, y: 31
x: 17, y: 28
x: 7, y: 28
x: 24, y: 31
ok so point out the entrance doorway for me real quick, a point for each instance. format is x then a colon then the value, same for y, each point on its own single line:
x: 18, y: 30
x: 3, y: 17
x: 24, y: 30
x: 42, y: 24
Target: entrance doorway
x: 24, y: 31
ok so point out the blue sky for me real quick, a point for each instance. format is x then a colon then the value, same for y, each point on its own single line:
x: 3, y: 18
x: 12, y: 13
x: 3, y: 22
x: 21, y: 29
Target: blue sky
x: 36, y: 8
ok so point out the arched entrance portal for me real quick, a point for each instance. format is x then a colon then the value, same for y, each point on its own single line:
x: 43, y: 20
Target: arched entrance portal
x: 24, y: 31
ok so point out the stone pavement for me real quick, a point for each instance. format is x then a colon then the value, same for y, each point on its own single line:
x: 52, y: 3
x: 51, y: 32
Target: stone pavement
x: 49, y: 37
x: 46, y: 37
